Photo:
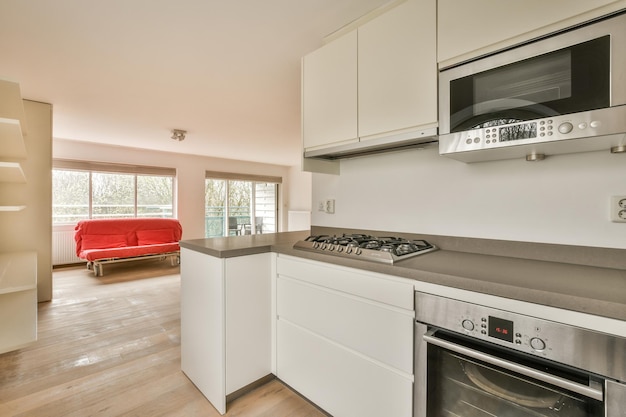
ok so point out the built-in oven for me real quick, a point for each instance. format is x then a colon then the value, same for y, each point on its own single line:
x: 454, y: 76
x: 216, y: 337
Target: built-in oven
x: 542, y: 97
x: 477, y: 361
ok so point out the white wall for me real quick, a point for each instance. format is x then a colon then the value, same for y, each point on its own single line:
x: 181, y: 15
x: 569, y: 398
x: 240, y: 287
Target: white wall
x: 563, y: 199
x: 190, y: 177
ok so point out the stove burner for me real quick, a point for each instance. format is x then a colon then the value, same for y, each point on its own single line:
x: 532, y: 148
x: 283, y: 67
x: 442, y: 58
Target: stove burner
x: 378, y: 249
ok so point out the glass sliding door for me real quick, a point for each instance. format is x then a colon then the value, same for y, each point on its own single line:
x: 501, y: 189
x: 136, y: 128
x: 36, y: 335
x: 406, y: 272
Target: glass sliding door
x: 235, y: 207
x: 215, y: 208
x: 239, y: 208
x: 265, y: 207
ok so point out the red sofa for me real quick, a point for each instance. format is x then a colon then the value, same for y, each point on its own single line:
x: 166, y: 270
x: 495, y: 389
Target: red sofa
x: 117, y: 240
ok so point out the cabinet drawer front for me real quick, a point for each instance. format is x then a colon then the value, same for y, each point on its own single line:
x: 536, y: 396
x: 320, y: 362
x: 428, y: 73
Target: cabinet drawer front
x: 340, y: 382
x: 379, y: 332
x: 352, y: 281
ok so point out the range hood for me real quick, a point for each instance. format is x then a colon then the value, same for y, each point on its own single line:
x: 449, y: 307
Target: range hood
x: 394, y: 142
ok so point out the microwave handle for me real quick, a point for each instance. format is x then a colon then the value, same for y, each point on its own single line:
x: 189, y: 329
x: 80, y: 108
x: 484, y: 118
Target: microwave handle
x: 588, y: 391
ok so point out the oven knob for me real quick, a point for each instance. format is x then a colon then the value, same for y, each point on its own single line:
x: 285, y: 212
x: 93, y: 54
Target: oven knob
x: 358, y: 251
x: 316, y: 245
x: 565, y: 127
x: 331, y: 247
x: 467, y: 324
x: 537, y: 344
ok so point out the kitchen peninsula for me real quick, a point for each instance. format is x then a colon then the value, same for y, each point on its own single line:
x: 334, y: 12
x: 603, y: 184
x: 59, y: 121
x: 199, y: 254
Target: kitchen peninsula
x: 230, y: 287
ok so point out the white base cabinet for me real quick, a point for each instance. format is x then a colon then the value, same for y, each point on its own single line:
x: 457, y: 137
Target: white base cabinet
x: 225, y: 322
x: 344, y: 338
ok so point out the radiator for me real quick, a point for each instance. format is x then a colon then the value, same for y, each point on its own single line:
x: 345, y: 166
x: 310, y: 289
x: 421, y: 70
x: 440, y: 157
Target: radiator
x: 64, y: 248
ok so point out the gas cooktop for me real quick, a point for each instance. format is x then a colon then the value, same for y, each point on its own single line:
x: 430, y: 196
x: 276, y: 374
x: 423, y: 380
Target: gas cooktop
x: 371, y: 248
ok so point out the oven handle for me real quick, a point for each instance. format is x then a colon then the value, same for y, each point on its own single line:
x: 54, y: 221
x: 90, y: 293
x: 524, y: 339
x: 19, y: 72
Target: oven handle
x: 585, y: 390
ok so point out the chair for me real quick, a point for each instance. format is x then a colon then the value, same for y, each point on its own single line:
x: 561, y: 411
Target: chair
x: 258, y: 222
x: 233, y: 226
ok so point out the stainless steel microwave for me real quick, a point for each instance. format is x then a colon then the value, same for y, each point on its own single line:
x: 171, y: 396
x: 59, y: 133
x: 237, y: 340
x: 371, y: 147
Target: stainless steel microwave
x: 564, y: 93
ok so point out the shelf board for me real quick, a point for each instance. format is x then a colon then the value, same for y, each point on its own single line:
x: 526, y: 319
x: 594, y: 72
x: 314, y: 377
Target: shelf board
x: 11, y: 139
x: 12, y: 290
x: 12, y: 208
x: 11, y: 172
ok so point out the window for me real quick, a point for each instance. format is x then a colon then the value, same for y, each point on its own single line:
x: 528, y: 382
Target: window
x: 240, y: 204
x: 88, y: 190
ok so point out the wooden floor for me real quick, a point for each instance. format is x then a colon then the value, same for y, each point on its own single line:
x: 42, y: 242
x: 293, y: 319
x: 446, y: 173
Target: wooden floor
x: 110, y: 346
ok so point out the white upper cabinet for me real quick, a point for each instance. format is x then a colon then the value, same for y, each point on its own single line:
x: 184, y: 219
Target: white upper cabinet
x: 471, y: 28
x: 375, y: 86
x: 329, y: 93
x: 398, y: 70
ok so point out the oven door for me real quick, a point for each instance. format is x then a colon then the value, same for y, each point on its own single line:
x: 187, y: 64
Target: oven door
x: 474, y: 379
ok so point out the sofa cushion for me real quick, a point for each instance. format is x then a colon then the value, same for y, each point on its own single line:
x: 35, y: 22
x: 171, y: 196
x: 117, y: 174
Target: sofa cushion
x: 103, y: 241
x: 128, y: 252
x: 155, y: 237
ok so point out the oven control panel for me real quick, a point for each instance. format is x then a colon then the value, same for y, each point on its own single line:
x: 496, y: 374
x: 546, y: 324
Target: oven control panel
x: 535, y: 336
x: 496, y: 327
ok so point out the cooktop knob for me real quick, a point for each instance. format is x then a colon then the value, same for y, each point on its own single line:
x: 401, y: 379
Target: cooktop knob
x: 537, y: 344
x: 467, y: 324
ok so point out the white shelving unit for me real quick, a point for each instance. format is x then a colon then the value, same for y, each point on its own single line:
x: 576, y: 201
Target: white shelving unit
x: 18, y: 300
x: 18, y: 270
x: 12, y: 139
x: 11, y: 172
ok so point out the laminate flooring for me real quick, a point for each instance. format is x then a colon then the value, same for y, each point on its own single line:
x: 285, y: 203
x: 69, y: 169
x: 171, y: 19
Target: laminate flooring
x: 110, y: 346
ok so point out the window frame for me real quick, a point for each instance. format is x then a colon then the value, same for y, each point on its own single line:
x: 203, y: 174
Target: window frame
x: 92, y: 167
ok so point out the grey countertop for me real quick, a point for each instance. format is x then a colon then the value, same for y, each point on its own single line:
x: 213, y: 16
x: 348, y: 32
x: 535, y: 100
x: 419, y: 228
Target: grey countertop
x: 588, y: 289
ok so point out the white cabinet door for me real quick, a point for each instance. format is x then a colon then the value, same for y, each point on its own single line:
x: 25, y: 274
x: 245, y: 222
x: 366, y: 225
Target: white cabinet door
x: 329, y: 93
x: 226, y: 322
x: 339, y: 381
x: 202, y: 346
x: 398, y: 69
x: 467, y: 29
x: 248, y: 320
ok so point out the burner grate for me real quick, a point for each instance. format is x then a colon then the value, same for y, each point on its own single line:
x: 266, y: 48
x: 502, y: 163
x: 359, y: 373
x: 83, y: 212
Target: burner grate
x: 385, y: 249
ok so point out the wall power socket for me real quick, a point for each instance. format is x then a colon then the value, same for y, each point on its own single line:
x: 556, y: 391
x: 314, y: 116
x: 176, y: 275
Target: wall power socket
x: 326, y: 206
x: 618, y: 208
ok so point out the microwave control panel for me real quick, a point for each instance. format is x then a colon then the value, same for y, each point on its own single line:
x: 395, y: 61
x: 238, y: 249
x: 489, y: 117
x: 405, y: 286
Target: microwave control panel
x: 552, y: 135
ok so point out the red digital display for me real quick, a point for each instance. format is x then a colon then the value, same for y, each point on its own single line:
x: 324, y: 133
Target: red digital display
x: 501, y: 329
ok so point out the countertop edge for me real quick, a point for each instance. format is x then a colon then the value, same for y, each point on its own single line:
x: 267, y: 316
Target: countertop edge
x: 282, y: 243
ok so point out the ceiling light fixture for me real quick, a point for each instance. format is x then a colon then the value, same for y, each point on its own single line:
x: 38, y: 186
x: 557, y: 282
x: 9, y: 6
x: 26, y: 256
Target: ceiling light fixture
x: 178, y: 134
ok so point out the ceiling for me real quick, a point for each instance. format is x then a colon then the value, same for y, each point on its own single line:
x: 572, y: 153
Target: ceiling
x: 127, y: 72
